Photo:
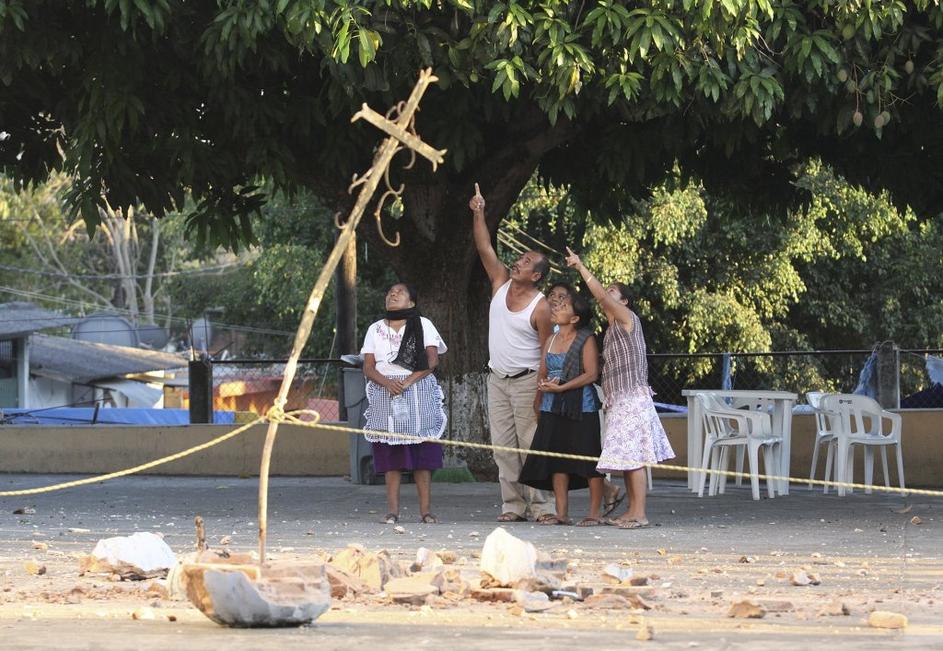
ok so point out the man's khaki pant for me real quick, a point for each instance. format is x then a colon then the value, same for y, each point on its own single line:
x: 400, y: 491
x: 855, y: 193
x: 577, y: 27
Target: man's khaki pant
x: 513, y: 422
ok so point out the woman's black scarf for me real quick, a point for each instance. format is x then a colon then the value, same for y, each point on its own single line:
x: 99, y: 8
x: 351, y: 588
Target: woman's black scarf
x: 412, y: 349
x: 570, y: 403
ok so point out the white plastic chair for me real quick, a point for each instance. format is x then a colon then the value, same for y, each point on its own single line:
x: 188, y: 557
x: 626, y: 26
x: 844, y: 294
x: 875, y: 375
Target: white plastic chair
x: 726, y: 427
x: 823, y: 434
x: 861, y: 421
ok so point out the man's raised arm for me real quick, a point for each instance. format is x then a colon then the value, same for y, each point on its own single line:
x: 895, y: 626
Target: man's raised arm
x: 497, y: 272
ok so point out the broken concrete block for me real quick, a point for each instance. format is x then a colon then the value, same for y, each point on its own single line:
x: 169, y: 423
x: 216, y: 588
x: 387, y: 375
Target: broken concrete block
x: 142, y: 555
x: 801, y: 578
x: 374, y: 569
x: 426, y: 561
x: 533, y: 602
x: 281, y: 595
x: 344, y: 584
x: 887, y: 619
x: 507, y: 559
x: 746, y: 610
x: 616, y: 574
x: 415, y: 589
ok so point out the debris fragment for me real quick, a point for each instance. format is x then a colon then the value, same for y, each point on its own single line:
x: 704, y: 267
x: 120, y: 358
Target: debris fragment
x: 507, y: 559
x: 374, y: 569
x: 225, y: 540
x: 616, y: 574
x: 801, y: 578
x: 836, y: 608
x: 887, y: 619
x: 645, y: 633
x: 143, y: 613
x: 415, y: 589
x: 916, y: 520
x: 142, y: 555
x: 24, y: 510
x: 746, y: 610
x: 41, y: 546
x: 34, y: 568
x: 533, y: 602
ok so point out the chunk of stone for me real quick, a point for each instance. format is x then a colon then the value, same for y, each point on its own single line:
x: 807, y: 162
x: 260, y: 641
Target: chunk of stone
x: 142, y: 555
x: 533, y: 602
x: 746, y: 610
x: 836, y: 608
x: 415, y: 589
x: 426, y: 560
x: 507, y: 559
x: 887, y: 619
x: 616, y: 574
x: 374, y: 569
x: 244, y: 596
x: 34, y: 568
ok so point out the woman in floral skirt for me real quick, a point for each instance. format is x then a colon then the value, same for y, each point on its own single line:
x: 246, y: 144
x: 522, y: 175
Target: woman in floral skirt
x: 634, y: 436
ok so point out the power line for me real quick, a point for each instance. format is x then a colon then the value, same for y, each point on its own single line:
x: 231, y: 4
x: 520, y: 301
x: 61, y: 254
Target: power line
x: 162, y: 274
x: 125, y: 312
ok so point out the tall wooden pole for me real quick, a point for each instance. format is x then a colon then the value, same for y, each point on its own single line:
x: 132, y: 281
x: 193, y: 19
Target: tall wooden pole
x: 398, y: 131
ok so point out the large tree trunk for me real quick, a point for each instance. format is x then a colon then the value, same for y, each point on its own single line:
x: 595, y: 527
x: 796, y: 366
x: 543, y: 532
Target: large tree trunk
x: 437, y: 254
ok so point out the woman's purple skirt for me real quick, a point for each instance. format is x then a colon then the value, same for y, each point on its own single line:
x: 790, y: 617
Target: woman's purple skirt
x: 415, y: 456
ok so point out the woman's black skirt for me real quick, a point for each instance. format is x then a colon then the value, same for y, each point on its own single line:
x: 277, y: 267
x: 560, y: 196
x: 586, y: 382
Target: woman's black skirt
x: 557, y: 433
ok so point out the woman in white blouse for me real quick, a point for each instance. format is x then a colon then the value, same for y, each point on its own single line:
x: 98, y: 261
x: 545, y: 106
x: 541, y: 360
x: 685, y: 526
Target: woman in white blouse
x: 400, y: 353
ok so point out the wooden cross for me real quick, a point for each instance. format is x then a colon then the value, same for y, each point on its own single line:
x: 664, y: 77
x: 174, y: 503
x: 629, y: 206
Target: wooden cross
x: 401, y: 136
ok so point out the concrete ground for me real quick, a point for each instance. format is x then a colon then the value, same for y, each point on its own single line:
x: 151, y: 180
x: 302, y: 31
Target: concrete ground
x: 701, y: 555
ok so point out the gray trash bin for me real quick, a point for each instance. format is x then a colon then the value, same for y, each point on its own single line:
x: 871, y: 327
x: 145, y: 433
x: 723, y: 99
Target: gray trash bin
x: 361, y: 452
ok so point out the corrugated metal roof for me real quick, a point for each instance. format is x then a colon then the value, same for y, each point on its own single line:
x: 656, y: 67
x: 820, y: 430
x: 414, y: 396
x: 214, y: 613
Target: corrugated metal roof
x: 72, y: 360
x: 19, y: 318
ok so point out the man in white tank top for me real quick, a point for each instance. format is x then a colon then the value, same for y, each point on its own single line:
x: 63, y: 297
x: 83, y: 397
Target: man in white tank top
x: 518, y: 327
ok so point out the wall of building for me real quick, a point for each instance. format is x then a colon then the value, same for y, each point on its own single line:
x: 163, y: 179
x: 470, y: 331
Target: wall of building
x: 303, y: 451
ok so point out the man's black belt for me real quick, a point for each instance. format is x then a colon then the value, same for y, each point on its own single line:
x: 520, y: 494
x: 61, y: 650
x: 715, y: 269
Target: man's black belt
x: 516, y: 376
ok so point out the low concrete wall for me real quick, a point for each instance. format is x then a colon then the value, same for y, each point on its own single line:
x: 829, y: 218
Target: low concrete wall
x: 101, y: 449
x: 922, y: 440
x: 316, y: 452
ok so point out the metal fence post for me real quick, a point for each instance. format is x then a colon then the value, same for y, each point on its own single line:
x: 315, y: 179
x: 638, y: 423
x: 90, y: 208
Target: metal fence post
x: 201, y: 391
x: 889, y: 375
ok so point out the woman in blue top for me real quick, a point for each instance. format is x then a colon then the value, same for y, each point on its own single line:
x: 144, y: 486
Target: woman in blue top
x: 568, y: 422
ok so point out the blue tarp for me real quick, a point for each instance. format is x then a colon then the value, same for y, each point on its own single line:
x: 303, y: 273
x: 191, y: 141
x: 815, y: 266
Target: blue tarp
x: 107, y: 416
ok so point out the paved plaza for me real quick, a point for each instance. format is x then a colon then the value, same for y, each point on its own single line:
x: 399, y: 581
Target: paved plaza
x: 701, y: 556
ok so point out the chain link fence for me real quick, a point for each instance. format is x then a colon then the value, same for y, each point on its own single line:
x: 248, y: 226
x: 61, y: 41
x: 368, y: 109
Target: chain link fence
x: 252, y: 385
x: 837, y: 371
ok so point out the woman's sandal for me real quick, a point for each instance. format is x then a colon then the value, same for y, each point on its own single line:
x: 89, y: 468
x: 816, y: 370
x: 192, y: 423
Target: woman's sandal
x: 428, y: 518
x: 632, y: 524
x: 590, y: 522
x: 511, y: 517
x: 391, y: 518
x: 554, y: 520
x: 610, y: 506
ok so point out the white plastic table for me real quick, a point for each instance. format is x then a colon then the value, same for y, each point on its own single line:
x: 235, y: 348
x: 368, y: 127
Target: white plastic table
x: 782, y: 403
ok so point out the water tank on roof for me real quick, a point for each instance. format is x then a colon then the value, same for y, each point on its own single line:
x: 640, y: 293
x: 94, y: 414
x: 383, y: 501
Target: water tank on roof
x: 152, y: 336
x: 106, y: 329
x: 201, y: 334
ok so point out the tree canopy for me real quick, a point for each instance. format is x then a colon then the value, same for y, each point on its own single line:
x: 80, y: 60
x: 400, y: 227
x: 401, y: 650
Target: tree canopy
x: 146, y: 101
